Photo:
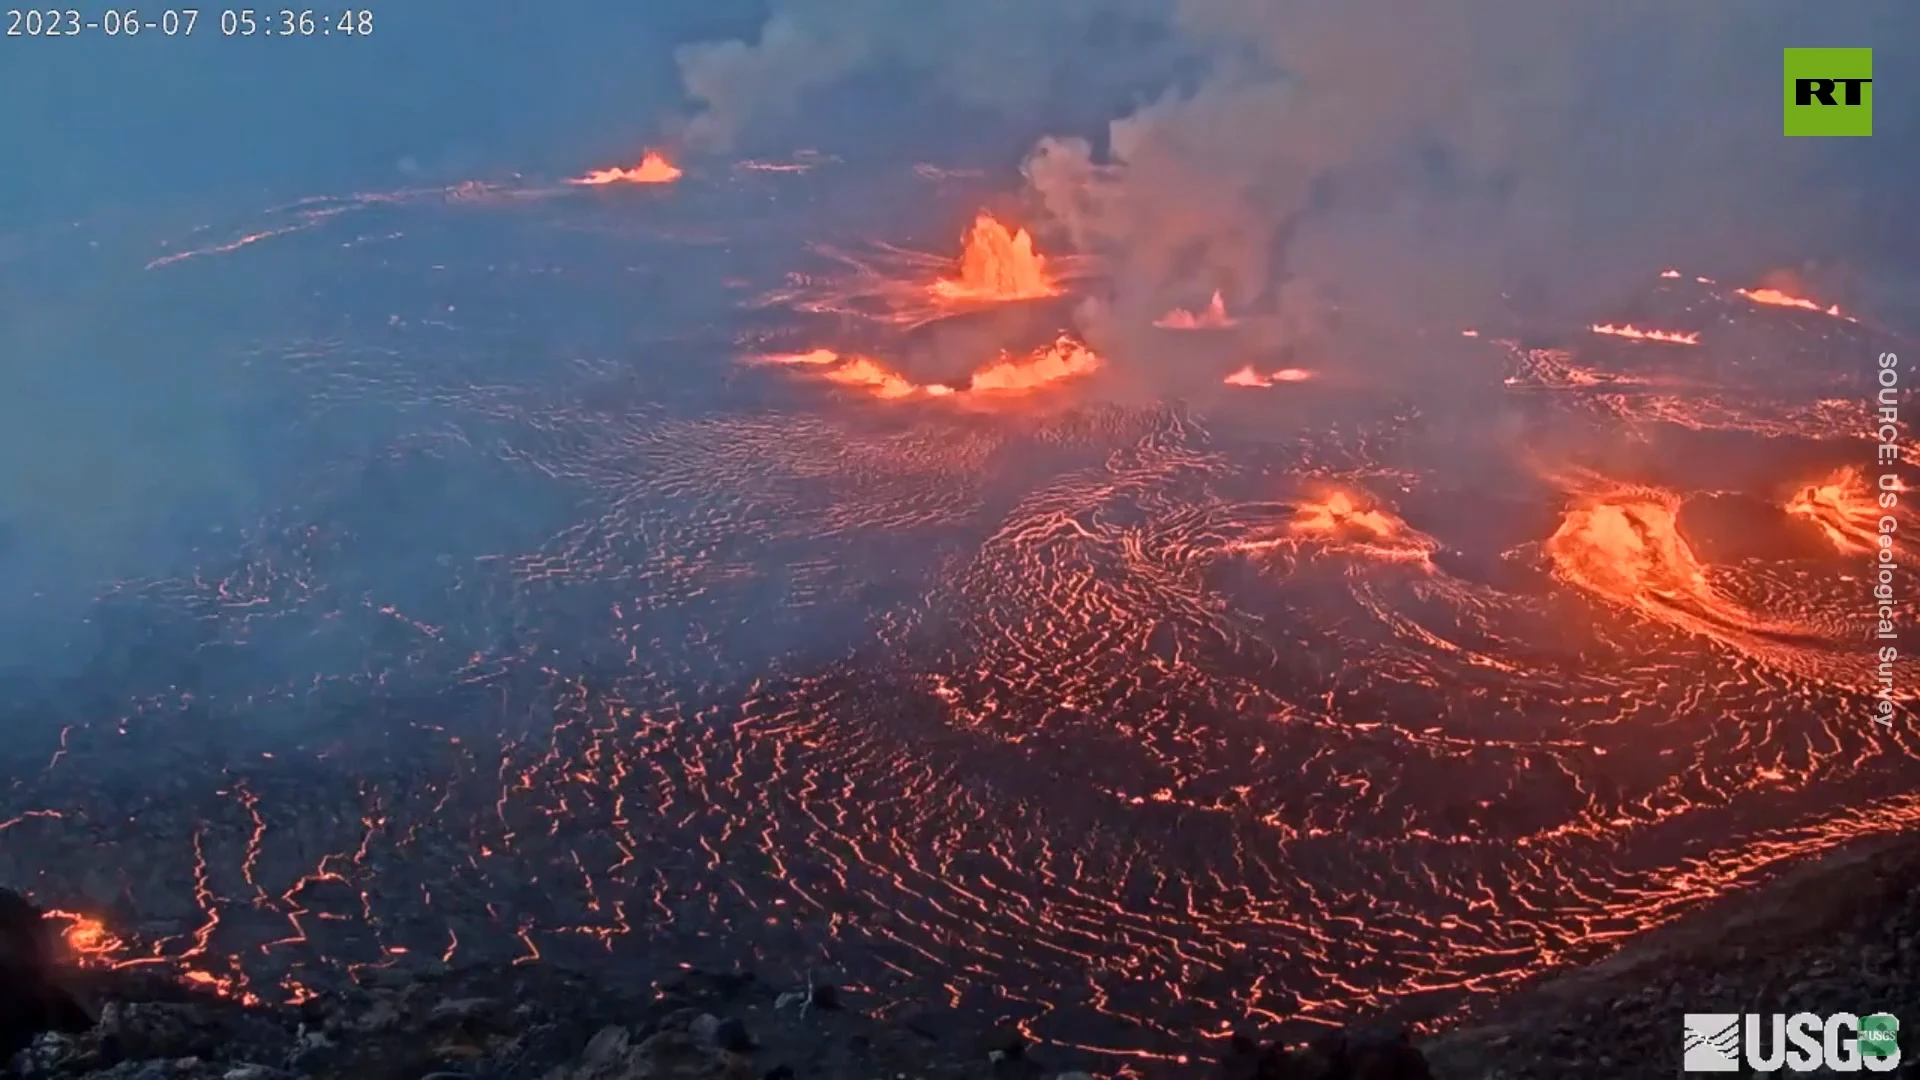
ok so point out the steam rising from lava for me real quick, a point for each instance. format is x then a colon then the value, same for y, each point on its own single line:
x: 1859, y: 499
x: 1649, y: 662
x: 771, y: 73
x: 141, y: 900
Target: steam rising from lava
x: 1213, y: 317
x: 1006, y: 54
x: 1418, y: 165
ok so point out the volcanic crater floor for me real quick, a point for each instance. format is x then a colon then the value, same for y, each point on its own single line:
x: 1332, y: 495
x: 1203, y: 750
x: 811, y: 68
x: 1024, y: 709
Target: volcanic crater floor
x: 575, y: 637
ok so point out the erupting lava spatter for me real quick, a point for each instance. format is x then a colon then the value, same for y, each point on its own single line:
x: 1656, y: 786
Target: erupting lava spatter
x: 1214, y: 317
x: 997, y: 264
x: 1669, y: 337
x: 653, y: 168
x: 1346, y: 521
x: 1250, y: 377
x: 866, y: 373
x: 1062, y: 360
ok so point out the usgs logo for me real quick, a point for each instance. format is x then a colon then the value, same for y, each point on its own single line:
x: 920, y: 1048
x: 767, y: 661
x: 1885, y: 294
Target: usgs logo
x: 1803, y: 1042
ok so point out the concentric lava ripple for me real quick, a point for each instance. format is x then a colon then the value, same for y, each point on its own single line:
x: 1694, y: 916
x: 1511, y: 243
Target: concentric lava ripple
x: 1129, y: 722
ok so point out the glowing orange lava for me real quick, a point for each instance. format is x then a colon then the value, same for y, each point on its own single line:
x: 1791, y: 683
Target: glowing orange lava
x: 1622, y: 544
x: 1346, y: 521
x: 1355, y: 521
x: 1670, y: 337
x: 811, y: 358
x: 997, y: 264
x: 654, y: 168
x: 1776, y: 298
x: 1215, y: 317
x: 1249, y: 377
x: 1847, y: 511
x: 1626, y: 547
x: 868, y: 374
x: 854, y: 372
x: 1064, y: 359
x: 87, y: 937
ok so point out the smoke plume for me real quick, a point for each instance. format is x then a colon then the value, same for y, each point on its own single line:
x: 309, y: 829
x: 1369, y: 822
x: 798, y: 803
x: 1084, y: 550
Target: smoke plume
x: 1420, y: 162
x: 1372, y: 158
x: 1003, y: 54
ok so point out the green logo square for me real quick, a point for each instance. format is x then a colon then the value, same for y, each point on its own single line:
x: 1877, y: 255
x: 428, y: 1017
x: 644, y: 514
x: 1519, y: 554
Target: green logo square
x: 1880, y: 1036
x: 1829, y: 92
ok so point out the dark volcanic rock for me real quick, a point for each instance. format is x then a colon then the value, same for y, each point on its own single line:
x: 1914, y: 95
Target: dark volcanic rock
x: 1841, y: 935
x: 33, y: 998
x: 1340, y: 1055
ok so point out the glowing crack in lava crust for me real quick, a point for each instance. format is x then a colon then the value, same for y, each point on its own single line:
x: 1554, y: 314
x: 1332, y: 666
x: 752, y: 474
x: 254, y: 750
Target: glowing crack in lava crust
x: 1127, y: 719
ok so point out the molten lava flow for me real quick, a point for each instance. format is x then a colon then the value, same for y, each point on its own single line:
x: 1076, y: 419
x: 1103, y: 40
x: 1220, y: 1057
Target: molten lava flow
x: 997, y: 264
x: 1776, y: 298
x: 1248, y: 377
x: 1064, y: 359
x: 1215, y: 317
x: 654, y: 168
x: 1845, y: 509
x: 1626, y: 547
x: 1623, y: 545
x: 1670, y: 337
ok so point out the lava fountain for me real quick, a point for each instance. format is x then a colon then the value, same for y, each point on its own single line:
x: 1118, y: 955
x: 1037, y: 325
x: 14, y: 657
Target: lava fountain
x: 997, y: 264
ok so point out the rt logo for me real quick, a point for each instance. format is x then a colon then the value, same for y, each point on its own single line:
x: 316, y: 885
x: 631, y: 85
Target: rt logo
x: 1803, y: 1042
x: 1829, y: 92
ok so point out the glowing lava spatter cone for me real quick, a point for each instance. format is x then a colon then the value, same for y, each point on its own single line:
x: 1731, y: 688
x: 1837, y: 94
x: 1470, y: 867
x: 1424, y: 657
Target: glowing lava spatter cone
x: 654, y: 168
x: 997, y: 264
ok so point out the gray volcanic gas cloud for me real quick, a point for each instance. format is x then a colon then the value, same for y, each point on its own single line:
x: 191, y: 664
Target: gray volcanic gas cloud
x: 1377, y: 155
